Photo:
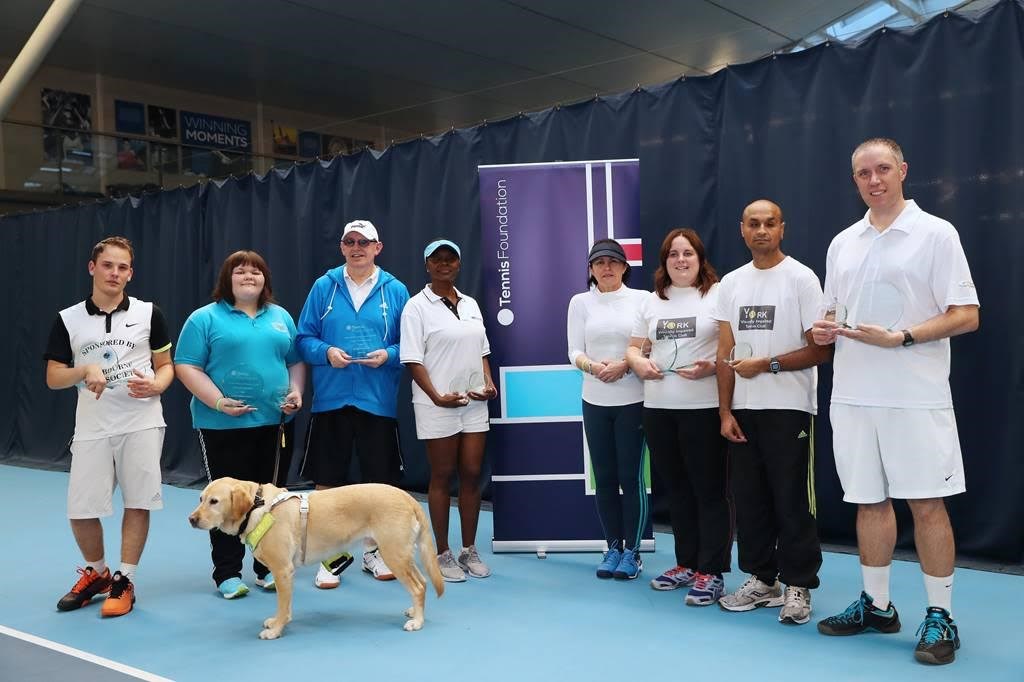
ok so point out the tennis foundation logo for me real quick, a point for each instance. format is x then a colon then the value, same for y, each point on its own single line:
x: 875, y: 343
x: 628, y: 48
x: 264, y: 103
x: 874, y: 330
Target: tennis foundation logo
x: 505, y: 315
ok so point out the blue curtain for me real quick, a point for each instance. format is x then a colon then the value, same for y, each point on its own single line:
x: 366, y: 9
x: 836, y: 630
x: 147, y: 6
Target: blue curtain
x: 951, y: 92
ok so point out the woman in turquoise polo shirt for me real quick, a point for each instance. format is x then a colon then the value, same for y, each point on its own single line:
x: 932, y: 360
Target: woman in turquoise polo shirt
x: 237, y: 356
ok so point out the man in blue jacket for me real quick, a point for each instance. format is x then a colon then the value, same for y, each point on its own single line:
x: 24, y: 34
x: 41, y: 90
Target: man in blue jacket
x: 348, y: 333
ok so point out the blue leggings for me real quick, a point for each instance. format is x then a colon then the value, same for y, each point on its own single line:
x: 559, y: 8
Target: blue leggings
x: 616, y: 443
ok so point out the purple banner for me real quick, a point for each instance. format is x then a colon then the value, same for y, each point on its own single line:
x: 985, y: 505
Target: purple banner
x: 538, y: 222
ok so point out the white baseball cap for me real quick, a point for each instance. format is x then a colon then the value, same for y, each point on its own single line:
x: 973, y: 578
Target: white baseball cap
x: 363, y: 227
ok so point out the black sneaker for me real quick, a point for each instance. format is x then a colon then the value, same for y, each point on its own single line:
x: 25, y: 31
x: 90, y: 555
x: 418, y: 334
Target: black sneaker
x: 859, y: 617
x: 939, y: 638
x: 85, y: 590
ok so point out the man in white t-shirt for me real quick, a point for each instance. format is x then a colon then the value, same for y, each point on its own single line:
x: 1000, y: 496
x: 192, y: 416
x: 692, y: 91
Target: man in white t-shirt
x: 897, y: 286
x: 767, y: 396
x: 116, y: 350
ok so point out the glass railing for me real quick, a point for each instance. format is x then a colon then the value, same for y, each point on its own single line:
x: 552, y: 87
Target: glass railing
x: 68, y: 163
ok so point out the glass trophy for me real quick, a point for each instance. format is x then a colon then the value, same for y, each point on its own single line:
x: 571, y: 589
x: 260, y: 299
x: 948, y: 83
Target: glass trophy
x: 468, y: 381
x: 666, y: 356
x: 879, y: 303
x: 741, y: 351
x: 281, y: 396
x: 359, y: 340
x: 106, y: 358
x: 836, y: 312
x: 242, y: 383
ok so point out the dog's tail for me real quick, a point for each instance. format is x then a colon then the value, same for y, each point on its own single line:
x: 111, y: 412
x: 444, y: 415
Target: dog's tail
x: 428, y: 552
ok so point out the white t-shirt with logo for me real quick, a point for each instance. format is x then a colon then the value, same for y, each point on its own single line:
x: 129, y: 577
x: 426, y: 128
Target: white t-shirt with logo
x: 920, y: 257
x: 771, y: 310
x: 685, y: 320
x: 598, y: 325
x: 450, y: 348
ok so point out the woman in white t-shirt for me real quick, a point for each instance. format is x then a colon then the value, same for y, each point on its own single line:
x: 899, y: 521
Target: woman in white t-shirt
x: 598, y: 323
x: 444, y: 345
x: 680, y: 414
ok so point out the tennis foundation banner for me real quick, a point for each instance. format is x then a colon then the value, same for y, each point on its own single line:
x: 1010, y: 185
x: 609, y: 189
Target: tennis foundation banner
x: 538, y: 222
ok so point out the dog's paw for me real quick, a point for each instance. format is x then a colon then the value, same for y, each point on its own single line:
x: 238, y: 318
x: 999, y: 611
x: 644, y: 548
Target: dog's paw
x: 270, y: 633
x: 413, y: 624
x: 408, y: 612
x: 270, y: 623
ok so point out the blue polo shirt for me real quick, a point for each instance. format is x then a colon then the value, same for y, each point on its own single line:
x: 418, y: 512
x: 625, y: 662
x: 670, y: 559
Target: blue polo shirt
x: 247, y: 358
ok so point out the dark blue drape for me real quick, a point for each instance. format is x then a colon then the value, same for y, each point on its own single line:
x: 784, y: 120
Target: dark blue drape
x: 951, y: 92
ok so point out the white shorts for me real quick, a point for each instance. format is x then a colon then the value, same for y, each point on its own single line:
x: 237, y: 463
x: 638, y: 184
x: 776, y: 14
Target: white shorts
x: 440, y: 422
x: 888, y: 452
x: 131, y: 460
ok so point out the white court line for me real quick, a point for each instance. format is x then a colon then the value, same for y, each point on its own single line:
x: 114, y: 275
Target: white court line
x: 609, y: 203
x: 83, y: 655
x: 590, y: 208
x: 539, y: 477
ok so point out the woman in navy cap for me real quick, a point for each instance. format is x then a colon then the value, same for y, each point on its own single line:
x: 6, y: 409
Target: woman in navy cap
x: 599, y: 323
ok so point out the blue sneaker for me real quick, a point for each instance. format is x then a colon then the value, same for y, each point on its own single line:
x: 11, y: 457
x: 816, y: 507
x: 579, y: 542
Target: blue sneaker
x: 675, y: 577
x: 267, y: 582
x: 939, y: 638
x: 232, y: 588
x: 861, y: 616
x: 606, y: 569
x: 707, y: 589
x: 629, y: 566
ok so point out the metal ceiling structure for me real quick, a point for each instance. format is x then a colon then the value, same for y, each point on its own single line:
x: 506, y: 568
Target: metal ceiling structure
x: 419, y: 67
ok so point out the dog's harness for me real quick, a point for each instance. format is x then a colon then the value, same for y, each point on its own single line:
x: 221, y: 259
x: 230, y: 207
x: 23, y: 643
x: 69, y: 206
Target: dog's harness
x: 253, y: 537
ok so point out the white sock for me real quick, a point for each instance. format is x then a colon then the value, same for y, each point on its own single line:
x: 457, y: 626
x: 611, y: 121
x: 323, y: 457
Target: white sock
x: 876, y: 584
x: 128, y: 570
x: 99, y: 565
x: 940, y: 591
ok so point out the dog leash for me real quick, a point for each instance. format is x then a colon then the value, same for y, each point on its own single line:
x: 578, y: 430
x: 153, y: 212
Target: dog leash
x: 278, y: 446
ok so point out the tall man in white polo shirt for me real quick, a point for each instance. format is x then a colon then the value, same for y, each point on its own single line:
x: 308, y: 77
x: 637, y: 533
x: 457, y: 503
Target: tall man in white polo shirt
x: 116, y: 350
x: 892, y: 412
x: 767, y: 402
x: 348, y: 333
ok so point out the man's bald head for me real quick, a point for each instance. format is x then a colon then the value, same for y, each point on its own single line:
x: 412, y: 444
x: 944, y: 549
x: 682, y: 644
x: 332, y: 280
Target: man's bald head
x: 760, y: 206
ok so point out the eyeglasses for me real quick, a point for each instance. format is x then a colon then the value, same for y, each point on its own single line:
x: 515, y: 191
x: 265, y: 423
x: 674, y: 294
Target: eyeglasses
x: 362, y: 242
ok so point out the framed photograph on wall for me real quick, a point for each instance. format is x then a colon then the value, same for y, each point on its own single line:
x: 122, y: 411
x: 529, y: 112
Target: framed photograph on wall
x: 129, y: 117
x: 163, y: 122
x: 67, y: 120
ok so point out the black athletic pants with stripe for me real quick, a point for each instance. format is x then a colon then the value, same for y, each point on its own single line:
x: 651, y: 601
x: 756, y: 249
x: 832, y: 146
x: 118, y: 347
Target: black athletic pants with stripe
x: 773, y: 489
x: 248, y: 455
x: 688, y: 453
x: 616, y: 446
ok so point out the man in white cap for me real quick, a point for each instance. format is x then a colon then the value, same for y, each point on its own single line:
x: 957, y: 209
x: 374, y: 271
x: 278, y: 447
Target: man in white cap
x: 348, y: 333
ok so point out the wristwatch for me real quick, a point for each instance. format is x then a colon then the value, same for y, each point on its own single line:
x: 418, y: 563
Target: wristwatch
x: 774, y: 365
x: 908, y: 338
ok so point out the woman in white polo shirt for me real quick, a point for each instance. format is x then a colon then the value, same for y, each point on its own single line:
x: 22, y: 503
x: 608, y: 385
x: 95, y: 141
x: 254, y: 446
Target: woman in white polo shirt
x: 598, y: 326
x: 445, y: 347
x: 238, y: 358
x: 681, y: 414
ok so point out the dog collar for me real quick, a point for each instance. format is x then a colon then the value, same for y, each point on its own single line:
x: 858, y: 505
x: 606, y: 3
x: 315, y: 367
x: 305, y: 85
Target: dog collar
x: 256, y: 503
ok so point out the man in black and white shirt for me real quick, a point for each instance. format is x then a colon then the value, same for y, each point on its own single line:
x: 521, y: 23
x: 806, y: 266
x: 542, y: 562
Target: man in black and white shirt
x: 116, y: 350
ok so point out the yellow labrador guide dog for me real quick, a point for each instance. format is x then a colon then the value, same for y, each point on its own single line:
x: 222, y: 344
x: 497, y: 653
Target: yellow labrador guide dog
x: 286, y: 530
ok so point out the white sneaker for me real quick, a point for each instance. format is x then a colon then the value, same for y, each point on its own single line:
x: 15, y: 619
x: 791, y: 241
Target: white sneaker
x: 374, y: 565
x: 753, y: 594
x: 326, y: 580
x: 469, y: 561
x: 450, y: 569
x: 796, y: 607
